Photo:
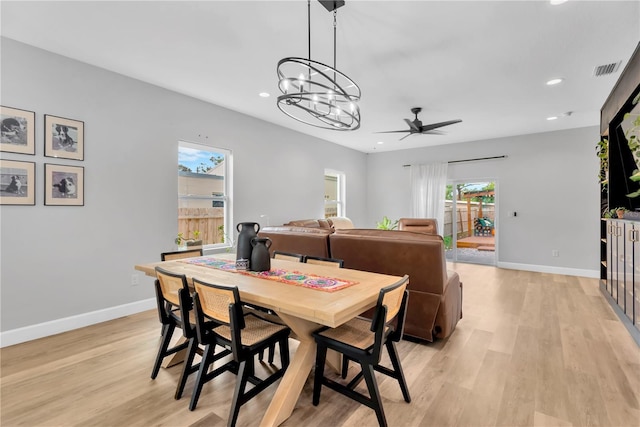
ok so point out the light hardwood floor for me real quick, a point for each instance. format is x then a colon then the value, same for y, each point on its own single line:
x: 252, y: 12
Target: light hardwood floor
x: 533, y: 349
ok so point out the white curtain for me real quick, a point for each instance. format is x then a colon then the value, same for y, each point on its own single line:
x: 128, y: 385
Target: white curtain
x: 428, y: 191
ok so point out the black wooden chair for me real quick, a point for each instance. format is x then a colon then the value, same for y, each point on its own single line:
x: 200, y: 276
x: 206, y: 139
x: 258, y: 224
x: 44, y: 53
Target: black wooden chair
x: 288, y: 256
x: 361, y: 340
x: 329, y: 262
x: 221, y: 321
x: 189, y: 253
x: 175, y: 310
x: 170, y: 256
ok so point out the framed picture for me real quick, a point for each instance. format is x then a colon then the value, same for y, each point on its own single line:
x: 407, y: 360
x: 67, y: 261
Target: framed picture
x: 17, y: 182
x: 18, y: 131
x: 63, y: 138
x: 63, y: 185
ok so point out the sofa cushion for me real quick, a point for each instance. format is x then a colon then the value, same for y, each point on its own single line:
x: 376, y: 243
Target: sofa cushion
x: 341, y: 222
x: 423, y: 225
x: 296, y: 229
x: 310, y: 223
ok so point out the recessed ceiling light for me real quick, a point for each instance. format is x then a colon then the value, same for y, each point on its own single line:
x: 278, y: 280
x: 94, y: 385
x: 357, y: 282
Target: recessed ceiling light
x: 264, y: 94
x: 555, y: 81
x: 380, y: 142
x: 557, y: 2
x: 552, y: 118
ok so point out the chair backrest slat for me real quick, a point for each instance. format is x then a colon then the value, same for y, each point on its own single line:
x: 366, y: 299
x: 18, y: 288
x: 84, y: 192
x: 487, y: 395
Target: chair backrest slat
x: 389, y: 304
x: 170, y: 284
x: 215, y: 301
x: 288, y: 256
x: 170, y: 256
x: 393, y: 301
x: 328, y: 262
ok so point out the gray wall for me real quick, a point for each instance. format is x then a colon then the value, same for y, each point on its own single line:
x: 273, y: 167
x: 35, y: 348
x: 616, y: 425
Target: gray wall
x: 549, y: 179
x: 59, y: 262
x: 64, y: 261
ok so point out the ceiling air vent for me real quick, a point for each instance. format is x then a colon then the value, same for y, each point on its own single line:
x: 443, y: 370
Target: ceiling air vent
x: 603, y: 70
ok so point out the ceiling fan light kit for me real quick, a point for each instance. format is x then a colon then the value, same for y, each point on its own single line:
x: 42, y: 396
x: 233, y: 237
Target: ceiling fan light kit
x: 315, y: 93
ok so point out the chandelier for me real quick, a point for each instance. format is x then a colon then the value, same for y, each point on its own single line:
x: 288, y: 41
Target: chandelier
x: 315, y: 93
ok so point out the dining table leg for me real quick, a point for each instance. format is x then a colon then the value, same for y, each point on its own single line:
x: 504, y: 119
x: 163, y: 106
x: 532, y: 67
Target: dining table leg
x: 291, y: 384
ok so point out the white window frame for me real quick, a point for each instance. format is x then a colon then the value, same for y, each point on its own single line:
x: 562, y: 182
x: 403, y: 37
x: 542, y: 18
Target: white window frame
x: 340, y: 202
x: 226, y: 198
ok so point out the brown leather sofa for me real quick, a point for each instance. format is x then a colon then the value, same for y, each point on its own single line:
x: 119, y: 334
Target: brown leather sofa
x: 312, y: 241
x: 422, y: 225
x: 435, y: 294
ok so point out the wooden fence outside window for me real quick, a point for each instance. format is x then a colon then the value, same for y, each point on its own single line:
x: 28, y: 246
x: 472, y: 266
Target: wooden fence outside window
x: 208, y: 221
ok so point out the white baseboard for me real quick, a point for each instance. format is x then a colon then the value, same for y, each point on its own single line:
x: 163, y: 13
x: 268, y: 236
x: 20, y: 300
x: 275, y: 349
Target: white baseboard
x: 549, y: 269
x: 28, y: 333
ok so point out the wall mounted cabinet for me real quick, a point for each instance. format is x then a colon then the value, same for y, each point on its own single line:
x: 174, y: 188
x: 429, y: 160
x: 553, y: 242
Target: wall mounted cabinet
x: 623, y: 267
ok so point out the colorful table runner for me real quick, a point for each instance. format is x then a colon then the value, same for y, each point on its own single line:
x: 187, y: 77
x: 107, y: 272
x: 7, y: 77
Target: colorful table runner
x: 312, y: 281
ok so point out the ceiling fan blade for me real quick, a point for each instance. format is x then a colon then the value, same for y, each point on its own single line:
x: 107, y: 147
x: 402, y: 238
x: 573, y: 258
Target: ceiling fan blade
x: 439, y: 125
x: 393, y: 131
x: 433, y: 132
x: 412, y: 125
x: 409, y: 134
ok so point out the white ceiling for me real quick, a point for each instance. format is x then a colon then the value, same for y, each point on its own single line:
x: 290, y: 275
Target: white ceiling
x: 485, y: 62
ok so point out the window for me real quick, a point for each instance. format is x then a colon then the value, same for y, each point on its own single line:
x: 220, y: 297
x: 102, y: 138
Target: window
x: 334, y: 194
x: 204, y: 185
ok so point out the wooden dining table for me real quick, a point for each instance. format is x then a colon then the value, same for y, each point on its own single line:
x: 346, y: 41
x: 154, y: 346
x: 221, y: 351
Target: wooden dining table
x: 303, y: 309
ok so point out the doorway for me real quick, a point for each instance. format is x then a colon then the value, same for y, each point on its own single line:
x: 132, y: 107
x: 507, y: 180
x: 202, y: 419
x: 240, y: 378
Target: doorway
x: 470, y: 222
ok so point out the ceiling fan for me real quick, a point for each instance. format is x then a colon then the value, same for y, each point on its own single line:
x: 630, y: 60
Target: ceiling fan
x: 416, y: 126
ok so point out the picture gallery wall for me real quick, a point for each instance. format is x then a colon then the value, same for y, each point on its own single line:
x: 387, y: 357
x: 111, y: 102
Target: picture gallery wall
x: 63, y: 139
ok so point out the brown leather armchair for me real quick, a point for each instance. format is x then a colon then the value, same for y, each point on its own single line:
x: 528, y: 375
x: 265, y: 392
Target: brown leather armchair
x: 422, y: 225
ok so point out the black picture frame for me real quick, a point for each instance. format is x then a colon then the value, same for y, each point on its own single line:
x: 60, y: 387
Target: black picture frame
x: 17, y: 182
x: 63, y: 138
x: 18, y: 129
x: 63, y: 185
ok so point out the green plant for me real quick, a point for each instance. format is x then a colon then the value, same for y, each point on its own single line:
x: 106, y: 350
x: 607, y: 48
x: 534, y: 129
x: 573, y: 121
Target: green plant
x: 387, y: 224
x: 179, y: 239
x: 613, y: 213
x: 602, y: 151
x: 221, y: 233
x: 196, y: 234
x: 448, y: 240
x: 224, y: 238
x: 632, y: 134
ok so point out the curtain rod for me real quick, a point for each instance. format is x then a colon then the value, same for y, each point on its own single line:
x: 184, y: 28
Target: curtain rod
x: 469, y: 160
